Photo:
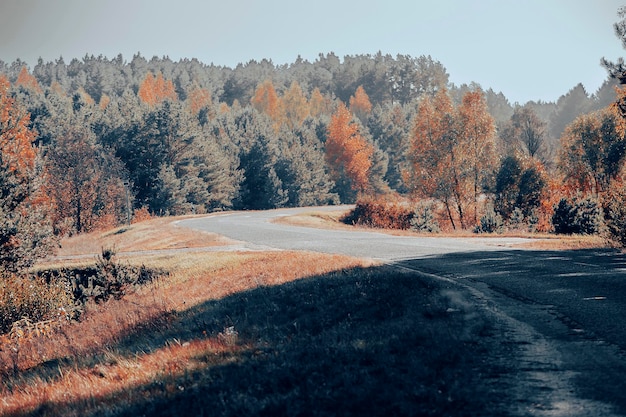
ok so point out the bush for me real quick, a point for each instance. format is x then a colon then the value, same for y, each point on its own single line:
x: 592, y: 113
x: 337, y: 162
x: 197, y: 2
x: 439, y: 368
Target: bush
x: 50, y: 294
x: 380, y: 214
x: 32, y: 298
x: 424, y: 220
x: 614, y: 208
x: 579, y: 216
x: 141, y: 214
x: 106, y: 279
x: 490, y: 222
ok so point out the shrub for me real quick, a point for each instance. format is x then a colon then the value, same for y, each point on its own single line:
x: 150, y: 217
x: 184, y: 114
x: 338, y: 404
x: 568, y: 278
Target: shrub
x: 141, y: 214
x: 106, y: 279
x: 580, y: 216
x: 614, y: 208
x: 50, y: 294
x: 380, y: 214
x: 490, y: 222
x: 31, y: 298
x: 424, y: 220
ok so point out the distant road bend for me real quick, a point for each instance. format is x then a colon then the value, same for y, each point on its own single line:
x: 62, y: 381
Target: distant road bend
x: 256, y: 230
x: 564, y: 310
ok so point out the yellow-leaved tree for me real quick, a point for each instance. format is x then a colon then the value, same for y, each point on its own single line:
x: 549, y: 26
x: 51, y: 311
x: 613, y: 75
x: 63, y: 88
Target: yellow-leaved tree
x: 451, y: 152
x: 155, y: 89
x: 348, y: 153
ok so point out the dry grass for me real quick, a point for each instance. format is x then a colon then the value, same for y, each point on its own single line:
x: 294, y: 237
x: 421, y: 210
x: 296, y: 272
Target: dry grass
x: 318, y: 219
x: 251, y: 338
x: 249, y: 333
x: 540, y: 241
x: 86, y: 360
x: 154, y: 234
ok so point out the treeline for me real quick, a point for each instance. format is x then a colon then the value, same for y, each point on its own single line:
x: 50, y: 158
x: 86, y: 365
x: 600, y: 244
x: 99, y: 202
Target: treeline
x: 107, y: 138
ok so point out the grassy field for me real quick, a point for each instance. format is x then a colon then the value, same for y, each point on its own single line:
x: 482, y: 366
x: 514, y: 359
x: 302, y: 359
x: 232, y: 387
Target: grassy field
x: 253, y: 333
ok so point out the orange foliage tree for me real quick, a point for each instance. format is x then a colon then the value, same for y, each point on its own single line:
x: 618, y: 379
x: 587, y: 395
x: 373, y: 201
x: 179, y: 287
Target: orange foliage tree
x: 592, y: 151
x: 360, y: 104
x: 266, y: 100
x: 26, y: 79
x: 198, y: 99
x: 16, y: 138
x: 451, y: 153
x: 155, y: 89
x: 84, y: 184
x: 296, y: 106
x: 438, y: 168
x: 478, y: 131
x: 347, y: 151
x: 318, y: 104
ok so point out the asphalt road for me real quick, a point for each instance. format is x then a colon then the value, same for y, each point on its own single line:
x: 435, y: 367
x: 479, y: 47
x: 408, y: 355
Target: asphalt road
x: 562, y: 311
x: 256, y: 230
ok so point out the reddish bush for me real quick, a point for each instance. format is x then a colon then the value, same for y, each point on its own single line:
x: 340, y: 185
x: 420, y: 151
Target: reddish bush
x: 380, y: 214
x: 141, y: 214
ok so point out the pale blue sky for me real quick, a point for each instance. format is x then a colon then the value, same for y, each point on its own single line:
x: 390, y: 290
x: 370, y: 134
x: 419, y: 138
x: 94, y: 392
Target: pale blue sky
x: 528, y: 49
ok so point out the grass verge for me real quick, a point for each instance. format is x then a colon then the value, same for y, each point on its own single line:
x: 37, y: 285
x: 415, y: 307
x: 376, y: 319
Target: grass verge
x: 278, y: 333
x: 544, y: 241
x: 154, y: 234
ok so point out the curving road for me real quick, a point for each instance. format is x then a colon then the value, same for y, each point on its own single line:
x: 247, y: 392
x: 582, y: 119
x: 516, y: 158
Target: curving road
x: 255, y: 230
x: 564, y: 311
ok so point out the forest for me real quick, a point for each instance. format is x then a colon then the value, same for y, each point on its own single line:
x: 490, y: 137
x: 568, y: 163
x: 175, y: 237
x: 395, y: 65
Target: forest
x: 98, y: 142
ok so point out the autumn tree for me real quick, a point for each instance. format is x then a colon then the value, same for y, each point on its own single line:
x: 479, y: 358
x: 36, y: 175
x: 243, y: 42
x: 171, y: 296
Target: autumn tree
x: 592, y: 151
x: 318, y: 104
x: 437, y: 157
x: 27, y: 80
x: 155, y: 89
x: 198, y: 99
x: 360, y: 104
x: 25, y: 229
x: 266, y: 100
x: 86, y: 184
x: 477, y: 128
x: 347, y: 152
x: 295, y: 106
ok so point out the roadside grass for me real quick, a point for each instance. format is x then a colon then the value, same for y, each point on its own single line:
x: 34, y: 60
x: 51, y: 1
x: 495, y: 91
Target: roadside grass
x: 261, y: 333
x: 542, y: 241
x: 154, y: 234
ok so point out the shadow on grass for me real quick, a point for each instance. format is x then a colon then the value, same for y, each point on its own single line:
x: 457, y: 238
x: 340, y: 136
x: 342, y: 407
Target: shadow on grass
x: 374, y: 341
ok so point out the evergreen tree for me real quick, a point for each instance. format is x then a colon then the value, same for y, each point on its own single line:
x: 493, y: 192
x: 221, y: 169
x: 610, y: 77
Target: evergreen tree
x: 303, y: 170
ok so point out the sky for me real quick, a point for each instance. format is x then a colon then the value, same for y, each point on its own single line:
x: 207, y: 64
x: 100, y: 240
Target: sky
x: 526, y: 49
